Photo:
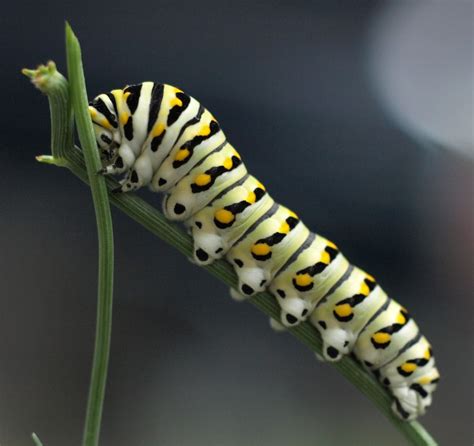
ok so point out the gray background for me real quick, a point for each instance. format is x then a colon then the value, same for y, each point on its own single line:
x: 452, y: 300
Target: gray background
x: 291, y: 84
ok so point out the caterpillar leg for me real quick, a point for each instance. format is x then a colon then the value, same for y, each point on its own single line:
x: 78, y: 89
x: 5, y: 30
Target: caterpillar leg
x: 139, y: 175
x: 236, y: 295
x: 294, y: 310
x: 276, y: 326
x: 208, y: 243
x: 251, y: 280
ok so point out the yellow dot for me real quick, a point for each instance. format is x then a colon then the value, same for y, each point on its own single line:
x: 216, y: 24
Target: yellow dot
x: 408, y: 367
x: 401, y: 319
x: 303, y: 280
x: 251, y: 198
x: 261, y: 186
x: 224, y: 216
x: 364, y: 289
x: 182, y: 154
x: 157, y: 130
x: 371, y: 278
x: 331, y: 244
x: 92, y: 112
x: 203, y: 179
x: 126, y: 95
x: 235, y: 153
x: 261, y: 249
x: 176, y: 101
x: 292, y: 214
x: 228, y: 163
x: 381, y: 338
x: 205, y: 131
x: 106, y: 124
x: 325, y: 258
x: 424, y: 380
x: 343, y: 310
x: 284, y: 228
x: 123, y: 118
x: 427, y: 354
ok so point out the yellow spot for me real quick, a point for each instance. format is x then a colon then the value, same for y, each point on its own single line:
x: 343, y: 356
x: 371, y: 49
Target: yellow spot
x: 182, y: 154
x: 371, y: 278
x: 224, y: 216
x: 284, y: 228
x: 292, y: 214
x: 228, y: 163
x: 92, y: 112
x: 303, y: 280
x: 203, y: 179
x: 104, y: 123
x: 261, y: 186
x: 118, y: 94
x: 364, y: 289
x: 157, y: 129
x: 176, y: 101
x: 401, y: 319
x: 331, y: 244
x: 235, y: 153
x: 123, y: 118
x: 251, y: 198
x: 427, y: 354
x: 261, y: 249
x: 206, y: 130
x: 126, y: 95
x: 381, y: 338
x: 424, y: 380
x: 325, y: 258
x: 343, y: 310
x: 408, y: 367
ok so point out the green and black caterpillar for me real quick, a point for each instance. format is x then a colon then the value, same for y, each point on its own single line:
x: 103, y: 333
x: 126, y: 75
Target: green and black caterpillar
x: 158, y: 136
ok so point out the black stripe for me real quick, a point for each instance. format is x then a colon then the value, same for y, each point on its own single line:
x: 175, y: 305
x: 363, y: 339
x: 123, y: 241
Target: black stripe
x: 100, y: 106
x: 155, y: 104
x: 134, y: 97
x: 266, y: 215
x: 177, y: 110
x: 383, y: 307
x: 401, y: 410
x: 228, y: 188
x: 215, y: 172
x: 409, y: 344
x: 194, y: 142
x: 191, y: 122
x: 341, y: 280
x: 114, y: 102
x: 217, y: 149
x: 306, y: 244
x: 237, y: 208
x: 128, y: 129
x: 419, y: 389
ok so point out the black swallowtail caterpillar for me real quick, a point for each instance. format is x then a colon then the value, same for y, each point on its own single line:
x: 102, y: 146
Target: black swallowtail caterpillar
x: 158, y: 136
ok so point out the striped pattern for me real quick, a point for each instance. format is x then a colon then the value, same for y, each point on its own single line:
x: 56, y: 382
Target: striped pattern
x: 158, y: 136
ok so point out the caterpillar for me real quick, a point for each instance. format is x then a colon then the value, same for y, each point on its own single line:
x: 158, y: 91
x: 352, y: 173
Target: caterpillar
x: 155, y: 135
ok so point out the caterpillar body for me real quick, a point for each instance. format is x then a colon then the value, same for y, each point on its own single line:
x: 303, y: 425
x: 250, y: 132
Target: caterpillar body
x: 158, y: 136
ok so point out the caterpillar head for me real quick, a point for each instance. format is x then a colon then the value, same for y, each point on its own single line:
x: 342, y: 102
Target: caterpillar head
x: 107, y: 143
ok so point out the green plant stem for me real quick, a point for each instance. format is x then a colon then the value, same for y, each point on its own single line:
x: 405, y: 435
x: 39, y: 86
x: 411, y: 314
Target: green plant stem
x: 155, y: 222
x: 79, y: 101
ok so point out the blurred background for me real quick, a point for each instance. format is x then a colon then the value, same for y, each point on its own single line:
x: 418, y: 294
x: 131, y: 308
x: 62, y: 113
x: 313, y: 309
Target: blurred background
x: 357, y: 115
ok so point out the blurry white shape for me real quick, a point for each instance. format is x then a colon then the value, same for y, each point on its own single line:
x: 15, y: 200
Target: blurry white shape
x: 421, y: 59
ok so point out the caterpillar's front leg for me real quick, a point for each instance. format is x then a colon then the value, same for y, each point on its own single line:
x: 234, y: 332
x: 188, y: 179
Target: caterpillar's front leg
x: 139, y: 175
x: 123, y: 161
